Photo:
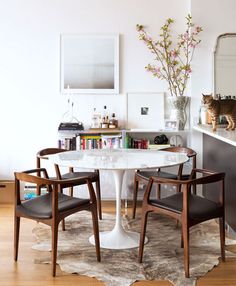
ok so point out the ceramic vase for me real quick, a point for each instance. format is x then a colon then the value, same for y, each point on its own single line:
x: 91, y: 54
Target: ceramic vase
x: 178, y: 112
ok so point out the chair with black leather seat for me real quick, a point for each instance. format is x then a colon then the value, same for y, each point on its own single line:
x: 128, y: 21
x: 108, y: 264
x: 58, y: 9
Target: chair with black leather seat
x: 144, y: 176
x: 186, y: 207
x: 94, y: 176
x: 52, y: 207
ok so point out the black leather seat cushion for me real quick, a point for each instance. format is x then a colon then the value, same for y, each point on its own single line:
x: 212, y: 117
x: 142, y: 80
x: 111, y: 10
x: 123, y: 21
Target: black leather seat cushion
x: 92, y: 175
x: 149, y: 174
x: 41, y: 207
x: 198, y: 207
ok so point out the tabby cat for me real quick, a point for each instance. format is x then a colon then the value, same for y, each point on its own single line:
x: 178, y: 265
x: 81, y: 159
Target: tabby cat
x: 219, y: 107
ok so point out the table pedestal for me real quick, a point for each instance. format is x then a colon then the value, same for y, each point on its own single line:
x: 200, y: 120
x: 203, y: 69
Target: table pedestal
x: 118, y: 238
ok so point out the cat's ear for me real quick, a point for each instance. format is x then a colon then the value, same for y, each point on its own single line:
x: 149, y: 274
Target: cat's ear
x: 203, y: 95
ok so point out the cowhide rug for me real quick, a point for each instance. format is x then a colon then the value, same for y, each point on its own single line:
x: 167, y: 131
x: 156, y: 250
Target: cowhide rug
x: 162, y: 260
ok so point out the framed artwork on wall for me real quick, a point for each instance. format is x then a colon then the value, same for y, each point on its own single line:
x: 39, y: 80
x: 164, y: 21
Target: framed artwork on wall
x: 145, y: 110
x: 90, y: 63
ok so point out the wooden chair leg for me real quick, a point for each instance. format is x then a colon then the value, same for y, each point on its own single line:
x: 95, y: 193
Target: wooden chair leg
x: 71, y: 191
x: 194, y: 189
x: 222, y: 238
x: 16, y: 237
x: 142, y: 235
x: 63, y: 225
x: 96, y: 233
x: 158, y: 191
x: 185, y: 230
x: 135, y: 194
x: 182, y: 240
x: 54, y: 230
x: 178, y: 190
x: 98, y: 194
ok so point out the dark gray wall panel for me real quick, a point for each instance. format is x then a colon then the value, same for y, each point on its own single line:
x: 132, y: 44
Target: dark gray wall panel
x: 220, y: 156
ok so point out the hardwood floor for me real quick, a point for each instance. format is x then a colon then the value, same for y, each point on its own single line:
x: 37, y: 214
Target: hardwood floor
x: 26, y: 273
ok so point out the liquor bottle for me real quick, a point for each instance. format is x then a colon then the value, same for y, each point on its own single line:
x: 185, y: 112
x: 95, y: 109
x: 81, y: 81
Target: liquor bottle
x: 95, y: 122
x: 113, y: 122
x: 105, y: 118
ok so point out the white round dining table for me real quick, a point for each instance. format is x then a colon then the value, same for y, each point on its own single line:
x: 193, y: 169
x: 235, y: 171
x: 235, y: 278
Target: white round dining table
x: 117, y: 161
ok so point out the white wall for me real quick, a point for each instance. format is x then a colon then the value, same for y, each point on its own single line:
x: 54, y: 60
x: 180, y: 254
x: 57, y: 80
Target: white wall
x: 216, y: 17
x: 31, y: 104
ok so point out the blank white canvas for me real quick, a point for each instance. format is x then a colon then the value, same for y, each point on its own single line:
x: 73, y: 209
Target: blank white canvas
x: 145, y: 110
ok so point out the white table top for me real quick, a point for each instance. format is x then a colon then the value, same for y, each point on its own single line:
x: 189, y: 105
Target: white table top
x: 227, y: 136
x: 118, y: 159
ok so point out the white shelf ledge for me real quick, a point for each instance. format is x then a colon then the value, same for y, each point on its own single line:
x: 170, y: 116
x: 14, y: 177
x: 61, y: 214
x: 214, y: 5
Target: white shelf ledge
x: 220, y: 134
x: 156, y: 131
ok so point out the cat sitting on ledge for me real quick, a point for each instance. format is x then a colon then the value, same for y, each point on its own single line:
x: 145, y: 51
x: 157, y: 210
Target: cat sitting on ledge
x: 219, y: 107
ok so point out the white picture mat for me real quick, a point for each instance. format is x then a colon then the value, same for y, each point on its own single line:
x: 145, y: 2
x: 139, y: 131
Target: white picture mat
x: 90, y: 63
x: 140, y: 102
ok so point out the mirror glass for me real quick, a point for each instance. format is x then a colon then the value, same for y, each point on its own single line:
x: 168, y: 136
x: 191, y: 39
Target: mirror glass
x: 90, y: 64
x: 225, y: 66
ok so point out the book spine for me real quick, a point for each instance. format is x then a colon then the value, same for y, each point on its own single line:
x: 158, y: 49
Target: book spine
x: 78, y: 143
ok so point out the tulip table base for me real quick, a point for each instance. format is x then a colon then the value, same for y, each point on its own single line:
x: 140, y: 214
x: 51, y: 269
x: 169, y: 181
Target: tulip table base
x: 118, y: 238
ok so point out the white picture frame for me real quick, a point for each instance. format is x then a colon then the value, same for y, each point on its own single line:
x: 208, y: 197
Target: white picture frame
x: 171, y: 125
x: 89, y: 63
x: 145, y: 110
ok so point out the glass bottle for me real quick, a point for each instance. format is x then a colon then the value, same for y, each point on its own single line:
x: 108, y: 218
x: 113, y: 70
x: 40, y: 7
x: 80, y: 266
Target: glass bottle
x: 203, y: 116
x: 105, y: 118
x: 66, y: 116
x: 95, y: 119
x: 113, y: 122
x: 73, y: 119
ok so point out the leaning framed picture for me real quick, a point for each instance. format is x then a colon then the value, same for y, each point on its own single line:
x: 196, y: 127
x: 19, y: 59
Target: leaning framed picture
x: 171, y: 125
x: 145, y: 110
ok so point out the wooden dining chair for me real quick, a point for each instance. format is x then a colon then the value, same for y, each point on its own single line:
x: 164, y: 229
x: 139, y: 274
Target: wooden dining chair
x: 94, y: 176
x: 144, y: 176
x: 52, y: 207
x: 186, y: 207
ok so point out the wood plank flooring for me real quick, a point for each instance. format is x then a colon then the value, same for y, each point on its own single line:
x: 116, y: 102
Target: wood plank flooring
x: 26, y: 273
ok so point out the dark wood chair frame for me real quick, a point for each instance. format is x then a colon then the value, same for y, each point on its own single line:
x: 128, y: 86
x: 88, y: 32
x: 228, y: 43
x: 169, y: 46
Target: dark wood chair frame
x: 42, y: 155
x: 187, y: 222
x: 140, y: 178
x: 56, y: 216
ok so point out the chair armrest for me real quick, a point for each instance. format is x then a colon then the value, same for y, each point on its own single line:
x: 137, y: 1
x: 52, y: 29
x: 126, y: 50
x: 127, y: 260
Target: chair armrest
x: 32, y: 171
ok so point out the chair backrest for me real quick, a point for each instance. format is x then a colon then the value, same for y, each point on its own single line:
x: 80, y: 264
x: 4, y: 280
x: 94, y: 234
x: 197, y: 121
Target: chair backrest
x: 42, y: 154
x: 205, y: 177
x: 31, y: 176
x: 188, y: 151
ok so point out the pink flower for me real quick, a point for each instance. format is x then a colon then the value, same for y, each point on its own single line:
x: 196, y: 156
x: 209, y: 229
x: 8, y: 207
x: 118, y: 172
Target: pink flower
x: 198, y: 29
x: 174, y: 61
x: 192, y: 45
x: 174, y: 54
x: 186, y: 36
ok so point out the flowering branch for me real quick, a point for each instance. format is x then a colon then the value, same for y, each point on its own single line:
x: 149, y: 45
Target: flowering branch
x: 174, y: 63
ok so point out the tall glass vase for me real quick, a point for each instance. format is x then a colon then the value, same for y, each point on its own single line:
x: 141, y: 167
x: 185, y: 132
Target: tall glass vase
x: 178, y: 112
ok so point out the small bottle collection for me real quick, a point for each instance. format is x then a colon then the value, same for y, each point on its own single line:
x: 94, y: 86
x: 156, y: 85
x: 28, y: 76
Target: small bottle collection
x: 103, y: 120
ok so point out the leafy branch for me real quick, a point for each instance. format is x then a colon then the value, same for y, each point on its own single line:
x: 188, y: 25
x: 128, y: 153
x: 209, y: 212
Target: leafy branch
x: 174, y: 63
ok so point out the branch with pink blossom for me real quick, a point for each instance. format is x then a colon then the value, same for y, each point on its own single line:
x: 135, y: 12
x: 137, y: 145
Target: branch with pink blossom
x: 174, y: 62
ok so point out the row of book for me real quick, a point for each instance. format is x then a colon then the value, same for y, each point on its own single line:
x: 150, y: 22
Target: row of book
x: 84, y: 142
x: 136, y: 143
x: 143, y: 144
